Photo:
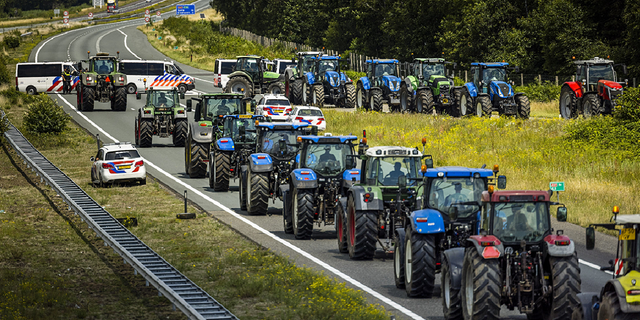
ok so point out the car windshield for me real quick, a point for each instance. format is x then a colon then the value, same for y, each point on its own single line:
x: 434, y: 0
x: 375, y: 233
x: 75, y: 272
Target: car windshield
x: 494, y: 74
x: 122, y: 154
x: 327, y: 159
x: 216, y: 107
x: 310, y: 113
x: 327, y: 65
x: 387, y: 170
x: 271, y: 142
x: 164, y: 98
x: 385, y: 69
x: 277, y: 102
x: 179, y: 69
x: 598, y: 72
x: 429, y: 70
x: 517, y: 221
x: 232, y: 129
x: 103, y: 66
x: 445, y: 193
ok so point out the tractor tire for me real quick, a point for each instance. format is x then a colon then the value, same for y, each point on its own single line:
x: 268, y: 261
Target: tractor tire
x: 236, y: 84
x: 120, y: 99
x: 565, y: 274
x: 296, y: 92
x: 578, y: 314
x: 220, y: 171
x: 78, y: 97
x: 306, y: 94
x: 398, y: 262
x: 257, y: 194
x: 568, y: 104
x: 88, y: 97
x: 361, y: 96
x: 318, y: 96
x: 405, y: 99
x: 146, y: 133
x: 424, y: 102
x: 131, y: 88
x: 483, y: 106
x: 350, y: 101
x: 610, y: 308
x: 376, y: 101
x: 287, y: 219
x: 362, y: 232
x: 276, y: 88
x: 480, y: 287
x: 136, y: 131
x: 302, y: 213
x: 420, y: 264
x: 180, y: 132
x: 524, y: 107
x: 455, y: 110
x: 196, y: 154
x: 242, y: 190
x: 591, y: 105
x: 341, y: 229
x: 451, y: 299
x: 466, y: 103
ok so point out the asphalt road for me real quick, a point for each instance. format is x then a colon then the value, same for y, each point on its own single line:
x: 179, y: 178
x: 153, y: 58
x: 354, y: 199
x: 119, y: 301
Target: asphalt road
x: 166, y: 163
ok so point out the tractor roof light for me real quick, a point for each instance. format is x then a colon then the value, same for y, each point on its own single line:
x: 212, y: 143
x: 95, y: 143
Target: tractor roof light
x: 424, y: 140
x: 616, y: 209
x: 299, y: 139
x: 257, y: 122
x: 496, y: 168
x: 423, y: 169
x: 490, y: 189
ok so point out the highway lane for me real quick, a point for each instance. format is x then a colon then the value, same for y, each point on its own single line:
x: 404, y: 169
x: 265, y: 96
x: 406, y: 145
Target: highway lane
x: 166, y: 164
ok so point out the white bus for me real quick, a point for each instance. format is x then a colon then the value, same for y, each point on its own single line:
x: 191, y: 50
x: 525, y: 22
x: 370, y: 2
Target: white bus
x: 35, y: 77
x: 143, y: 74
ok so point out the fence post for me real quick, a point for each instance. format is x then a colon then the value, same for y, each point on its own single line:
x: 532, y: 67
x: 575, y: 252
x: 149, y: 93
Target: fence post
x: 556, y: 81
x: 465, y: 76
x: 540, y: 79
x: 573, y: 78
x: 522, y: 79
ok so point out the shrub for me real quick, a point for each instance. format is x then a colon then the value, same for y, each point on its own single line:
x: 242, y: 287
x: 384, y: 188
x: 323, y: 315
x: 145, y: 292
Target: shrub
x: 354, y: 75
x: 628, y: 107
x: 11, y: 42
x: 5, y: 76
x: 45, y: 116
x: 542, y: 92
x: 4, y: 126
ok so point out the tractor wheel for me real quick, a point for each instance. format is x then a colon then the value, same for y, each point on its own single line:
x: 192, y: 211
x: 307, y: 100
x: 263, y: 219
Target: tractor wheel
x: 565, y: 273
x: 180, y: 132
x: 361, y: 97
x: 146, y: 133
x: 287, y: 218
x: 424, y: 102
x: 376, y: 101
x: 197, y: 154
x: 296, y: 92
x: 466, y: 104
x: 398, y: 262
x: 455, y: 110
x: 590, y: 105
x: 568, y: 104
x: 257, y: 192
x: 78, y: 97
x: 362, y: 231
x: 420, y: 264
x: 341, y: 229
x: 242, y: 190
x: 480, y: 286
x: 483, y: 106
x: 136, y: 131
x: 120, y: 99
x: 88, y: 95
x: 239, y: 85
x: 610, y: 308
x: 276, y: 88
x: 302, y: 213
x: 318, y: 96
x: 219, y: 173
x: 451, y: 304
x: 350, y: 101
x: 131, y: 88
x: 306, y: 94
x: 524, y: 108
x: 405, y: 99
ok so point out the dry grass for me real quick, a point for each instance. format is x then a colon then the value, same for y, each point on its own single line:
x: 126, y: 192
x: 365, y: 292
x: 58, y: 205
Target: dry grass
x: 209, y: 14
x: 545, y: 109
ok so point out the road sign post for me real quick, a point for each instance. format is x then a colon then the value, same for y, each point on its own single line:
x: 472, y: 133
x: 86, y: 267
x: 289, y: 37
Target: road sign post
x: 146, y: 19
x: 66, y: 14
x: 557, y: 186
x: 56, y: 12
x: 185, y: 9
x: 65, y: 21
x: 90, y: 15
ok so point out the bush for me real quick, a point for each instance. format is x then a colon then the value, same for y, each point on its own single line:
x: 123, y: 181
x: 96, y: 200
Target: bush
x: 4, y: 126
x: 11, y: 42
x: 353, y: 75
x: 45, y: 116
x: 5, y: 76
x: 542, y: 92
x: 628, y: 107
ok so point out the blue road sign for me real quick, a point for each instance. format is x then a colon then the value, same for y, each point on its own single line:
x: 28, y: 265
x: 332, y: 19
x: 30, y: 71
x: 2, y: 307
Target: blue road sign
x: 185, y: 9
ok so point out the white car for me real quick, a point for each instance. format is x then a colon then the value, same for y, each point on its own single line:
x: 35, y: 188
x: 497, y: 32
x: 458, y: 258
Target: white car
x: 275, y: 106
x: 117, y: 163
x: 310, y: 115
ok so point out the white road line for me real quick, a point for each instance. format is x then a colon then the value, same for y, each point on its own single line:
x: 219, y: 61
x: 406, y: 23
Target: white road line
x: 100, y: 39
x: 126, y: 46
x: 593, y: 265
x: 203, y: 80
x: 321, y: 263
x: 43, y: 44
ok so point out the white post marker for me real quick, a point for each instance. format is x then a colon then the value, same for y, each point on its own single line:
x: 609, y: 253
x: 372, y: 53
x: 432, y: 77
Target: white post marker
x: 90, y: 15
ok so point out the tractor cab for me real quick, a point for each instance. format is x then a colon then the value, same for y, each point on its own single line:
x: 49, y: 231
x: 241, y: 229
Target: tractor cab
x: 597, y: 72
x: 241, y: 128
x: 327, y: 156
x: 279, y: 140
x: 382, y: 71
x: 426, y: 68
x: 212, y: 108
x: 163, y: 99
x: 306, y: 61
x: 485, y: 75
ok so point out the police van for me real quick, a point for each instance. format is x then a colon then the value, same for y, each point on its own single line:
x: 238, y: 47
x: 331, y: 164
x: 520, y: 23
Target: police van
x: 143, y: 74
x: 36, y: 77
x: 222, y: 69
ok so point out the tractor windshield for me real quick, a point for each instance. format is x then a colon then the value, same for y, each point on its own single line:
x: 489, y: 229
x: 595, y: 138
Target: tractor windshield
x: 248, y: 65
x: 387, y: 170
x: 328, y: 65
x: 445, y: 193
x: 163, y: 98
x: 601, y: 72
x: 386, y: 69
x: 517, y: 221
x: 103, y: 66
x: 216, y: 107
x: 308, y: 63
x: 429, y: 70
x: 494, y: 74
x: 232, y: 129
x: 271, y: 143
x: 327, y: 159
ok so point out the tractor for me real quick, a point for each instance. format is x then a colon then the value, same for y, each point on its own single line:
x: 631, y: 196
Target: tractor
x: 427, y: 89
x: 232, y: 150
x: 325, y: 82
x: 380, y: 85
x: 250, y: 77
x: 162, y: 115
x: 490, y: 90
x: 324, y: 172
x: 207, y: 125
x: 101, y: 81
x: 619, y: 299
x: 516, y: 261
x: 270, y: 165
x: 293, y: 76
x: 427, y: 236
x: 595, y: 90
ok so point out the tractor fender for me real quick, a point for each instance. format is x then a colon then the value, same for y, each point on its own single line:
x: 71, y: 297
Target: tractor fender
x: 284, y: 188
x: 145, y: 115
x: 434, y: 222
x: 239, y: 74
x: 575, y: 86
x: 586, y: 303
x: 343, y: 77
x: 455, y: 256
x: 487, y: 252
x: 408, y: 82
x: 304, y: 179
x: 289, y: 74
x: 201, y: 134
x: 343, y: 202
x: 348, y: 176
x: 358, y: 193
x: 225, y: 144
x: 554, y: 249
x: 519, y: 94
x: 471, y: 88
x: 260, y: 162
x: 365, y: 83
x: 401, y: 234
x: 310, y: 78
x: 615, y: 285
x: 179, y: 113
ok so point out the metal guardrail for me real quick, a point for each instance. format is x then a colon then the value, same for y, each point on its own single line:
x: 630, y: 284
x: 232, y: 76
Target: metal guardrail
x: 182, y: 292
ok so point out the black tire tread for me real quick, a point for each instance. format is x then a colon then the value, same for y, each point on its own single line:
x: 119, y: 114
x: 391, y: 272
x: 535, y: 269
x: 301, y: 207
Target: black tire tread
x: 524, y: 106
x: 426, y: 96
x: 197, y: 166
x: 454, y: 311
x: 574, y: 102
x: 248, y: 93
x: 350, y: 95
x: 610, y: 308
x: 377, y: 100
x: 342, y: 224
x: 318, y: 92
x: 296, y: 91
x: 565, y: 273
x: 423, y: 265
x: 88, y: 97
x: 120, y: 99
x: 222, y: 165
x: 366, y: 232
x: 180, y: 133
x: 259, y: 193
x: 304, y: 214
x: 485, y: 103
x: 486, y: 284
x: 146, y: 133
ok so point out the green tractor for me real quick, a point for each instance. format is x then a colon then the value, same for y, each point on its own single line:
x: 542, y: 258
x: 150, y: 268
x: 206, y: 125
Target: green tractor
x: 207, y: 126
x: 426, y: 88
x: 162, y: 115
x: 251, y: 77
x: 101, y: 81
x: 294, y: 80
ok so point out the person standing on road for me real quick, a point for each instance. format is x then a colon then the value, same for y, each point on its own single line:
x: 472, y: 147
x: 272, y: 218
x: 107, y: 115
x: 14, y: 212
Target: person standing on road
x: 66, y: 81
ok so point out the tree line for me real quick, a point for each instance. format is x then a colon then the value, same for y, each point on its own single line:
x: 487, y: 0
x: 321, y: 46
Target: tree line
x: 539, y: 36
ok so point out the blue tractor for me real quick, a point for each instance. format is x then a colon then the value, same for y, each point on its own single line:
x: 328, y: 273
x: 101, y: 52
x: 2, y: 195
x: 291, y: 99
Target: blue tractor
x: 381, y: 85
x: 430, y: 237
x: 324, y: 172
x: 325, y: 82
x: 490, y: 90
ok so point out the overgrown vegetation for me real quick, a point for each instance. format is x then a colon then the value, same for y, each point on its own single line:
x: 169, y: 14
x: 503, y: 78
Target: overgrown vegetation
x: 541, y: 92
x: 44, y: 116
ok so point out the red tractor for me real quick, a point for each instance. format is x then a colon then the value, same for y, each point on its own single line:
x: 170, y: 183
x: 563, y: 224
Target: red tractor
x: 595, y: 90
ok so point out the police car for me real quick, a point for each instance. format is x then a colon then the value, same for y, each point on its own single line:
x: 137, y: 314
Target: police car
x: 117, y: 163
x: 308, y: 114
x: 275, y: 106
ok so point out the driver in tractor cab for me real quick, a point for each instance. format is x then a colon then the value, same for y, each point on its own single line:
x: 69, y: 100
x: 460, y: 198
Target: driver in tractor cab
x: 104, y: 68
x: 327, y: 156
x: 223, y: 109
x: 396, y: 173
x: 456, y: 197
x: 519, y: 220
x: 162, y: 100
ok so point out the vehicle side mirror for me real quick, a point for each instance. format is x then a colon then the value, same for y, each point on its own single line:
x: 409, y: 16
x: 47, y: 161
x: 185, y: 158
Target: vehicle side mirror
x: 502, y: 182
x: 189, y: 105
x: 453, y: 213
x: 92, y: 159
x: 283, y: 145
x: 402, y: 182
x: 253, y: 105
x: 293, y: 60
x: 181, y: 95
x: 561, y: 214
x: 591, y: 238
x: 138, y: 95
x: 428, y: 162
x: 197, y: 114
x: 314, y: 130
x: 349, y: 163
